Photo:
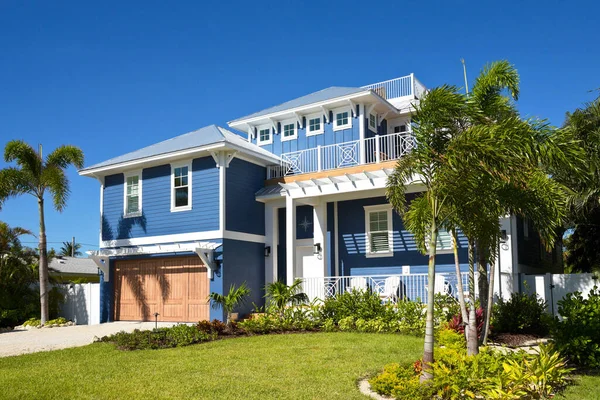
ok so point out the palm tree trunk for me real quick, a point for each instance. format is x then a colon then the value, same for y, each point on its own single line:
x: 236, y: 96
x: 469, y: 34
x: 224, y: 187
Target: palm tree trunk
x: 43, y: 267
x: 459, y: 284
x: 472, y: 343
x: 428, y: 347
x: 482, y: 280
x: 490, y: 302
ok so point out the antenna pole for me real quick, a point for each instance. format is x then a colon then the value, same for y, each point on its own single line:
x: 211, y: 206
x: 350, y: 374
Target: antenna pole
x: 462, y: 60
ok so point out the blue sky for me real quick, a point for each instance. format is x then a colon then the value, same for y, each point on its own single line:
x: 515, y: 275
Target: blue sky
x: 112, y: 78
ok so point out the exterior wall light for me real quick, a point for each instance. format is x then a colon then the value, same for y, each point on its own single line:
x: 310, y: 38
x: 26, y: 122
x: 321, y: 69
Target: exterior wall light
x: 267, y: 251
x: 317, y: 249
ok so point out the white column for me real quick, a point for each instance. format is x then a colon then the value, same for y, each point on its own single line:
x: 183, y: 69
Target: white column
x: 336, y: 237
x: 361, y: 132
x: 271, y: 235
x: 320, y: 234
x: 222, y: 163
x: 290, y: 238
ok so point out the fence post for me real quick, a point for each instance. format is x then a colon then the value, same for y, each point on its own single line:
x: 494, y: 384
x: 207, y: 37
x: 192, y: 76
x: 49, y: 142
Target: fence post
x: 319, y: 161
x: 377, y: 150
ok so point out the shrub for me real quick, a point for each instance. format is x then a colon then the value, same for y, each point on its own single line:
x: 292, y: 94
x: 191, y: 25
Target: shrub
x: 409, y: 317
x: 161, y: 338
x: 577, y: 336
x: 456, y: 323
x: 451, y: 339
x: 445, y: 308
x: 215, y: 326
x: 363, y: 304
x: 522, y: 313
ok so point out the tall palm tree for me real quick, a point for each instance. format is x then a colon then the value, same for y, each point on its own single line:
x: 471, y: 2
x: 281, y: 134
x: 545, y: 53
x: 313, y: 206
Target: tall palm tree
x: 36, y: 176
x: 70, y: 249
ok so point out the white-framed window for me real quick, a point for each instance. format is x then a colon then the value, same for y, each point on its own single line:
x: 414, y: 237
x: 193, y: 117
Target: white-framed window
x: 379, y: 232
x: 264, y: 135
x: 373, y: 122
x: 181, y: 187
x: 314, y: 124
x: 443, y: 243
x: 288, y: 130
x: 342, y: 119
x: 132, y: 202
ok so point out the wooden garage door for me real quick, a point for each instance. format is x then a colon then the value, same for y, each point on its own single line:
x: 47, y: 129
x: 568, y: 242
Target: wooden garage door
x: 175, y: 288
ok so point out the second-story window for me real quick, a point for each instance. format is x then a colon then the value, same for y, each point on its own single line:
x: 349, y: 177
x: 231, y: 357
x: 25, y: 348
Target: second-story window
x: 181, y: 192
x: 133, y: 195
x: 264, y: 135
x: 373, y: 122
x: 289, y: 130
x: 342, y: 119
x: 315, y: 124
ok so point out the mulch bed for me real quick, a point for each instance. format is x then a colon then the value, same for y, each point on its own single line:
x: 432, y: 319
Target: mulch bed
x: 514, y: 339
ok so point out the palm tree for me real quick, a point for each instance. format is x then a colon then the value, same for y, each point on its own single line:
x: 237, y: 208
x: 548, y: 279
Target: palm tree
x: 35, y: 175
x: 70, y: 249
x: 235, y: 297
x: 10, y: 243
x: 282, y: 295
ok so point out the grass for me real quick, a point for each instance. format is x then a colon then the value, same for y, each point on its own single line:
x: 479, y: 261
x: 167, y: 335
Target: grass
x: 299, y: 366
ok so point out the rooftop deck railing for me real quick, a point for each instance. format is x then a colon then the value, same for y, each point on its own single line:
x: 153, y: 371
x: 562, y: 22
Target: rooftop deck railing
x: 340, y: 155
x: 399, y: 87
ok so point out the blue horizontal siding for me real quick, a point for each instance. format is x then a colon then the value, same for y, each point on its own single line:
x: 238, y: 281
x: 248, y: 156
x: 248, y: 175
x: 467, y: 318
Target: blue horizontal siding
x: 242, y: 212
x: 157, y: 218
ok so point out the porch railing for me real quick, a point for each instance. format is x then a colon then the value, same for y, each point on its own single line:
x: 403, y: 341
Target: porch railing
x: 391, y: 288
x: 399, y: 87
x: 321, y: 158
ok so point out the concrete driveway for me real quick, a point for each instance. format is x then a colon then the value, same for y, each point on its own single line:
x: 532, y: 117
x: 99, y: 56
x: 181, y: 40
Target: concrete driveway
x: 31, y: 341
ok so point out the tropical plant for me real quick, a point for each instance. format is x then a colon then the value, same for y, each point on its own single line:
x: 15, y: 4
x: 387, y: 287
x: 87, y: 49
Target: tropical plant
x: 70, y: 249
x: 234, y: 298
x: 283, y: 295
x: 36, y: 176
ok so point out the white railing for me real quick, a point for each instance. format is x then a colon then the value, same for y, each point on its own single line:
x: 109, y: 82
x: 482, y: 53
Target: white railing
x: 399, y: 87
x: 412, y: 287
x: 321, y: 158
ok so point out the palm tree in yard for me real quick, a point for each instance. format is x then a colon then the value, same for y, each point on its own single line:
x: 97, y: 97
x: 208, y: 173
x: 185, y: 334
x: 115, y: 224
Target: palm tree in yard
x: 234, y: 298
x: 70, y: 249
x: 37, y: 176
x: 282, y: 295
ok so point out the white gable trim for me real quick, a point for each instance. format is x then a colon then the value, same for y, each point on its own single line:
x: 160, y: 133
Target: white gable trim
x: 183, y: 237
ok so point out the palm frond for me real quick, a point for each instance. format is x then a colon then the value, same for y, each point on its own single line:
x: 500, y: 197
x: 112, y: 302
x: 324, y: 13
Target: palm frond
x: 24, y: 155
x: 64, y: 156
x: 56, y: 181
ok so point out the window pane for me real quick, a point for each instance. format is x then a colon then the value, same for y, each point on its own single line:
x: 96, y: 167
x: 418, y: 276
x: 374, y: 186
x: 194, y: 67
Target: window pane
x: 380, y: 242
x: 184, y: 181
x: 177, y: 181
x: 181, y: 197
x: 132, y: 204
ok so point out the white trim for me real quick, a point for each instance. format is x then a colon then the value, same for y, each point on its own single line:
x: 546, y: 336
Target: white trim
x: 262, y: 128
x: 222, y: 194
x: 180, y: 237
x: 336, y: 235
x: 188, y: 207
x: 101, y: 207
x: 372, y: 128
x: 289, y: 122
x: 361, y: 133
x: 244, y: 237
x: 318, y: 116
x: 131, y: 174
x: 341, y: 110
x: 378, y: 208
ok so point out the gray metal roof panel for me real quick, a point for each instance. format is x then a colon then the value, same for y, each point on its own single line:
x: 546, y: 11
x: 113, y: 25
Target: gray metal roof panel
x: 73, y: 265
x: 316, y: 97
x: 269, y: 191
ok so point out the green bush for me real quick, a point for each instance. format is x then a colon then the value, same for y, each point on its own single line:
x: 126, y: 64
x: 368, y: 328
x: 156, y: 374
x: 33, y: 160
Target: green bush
x: 161, y: 338
x: 364, y: 304
x: 577, y: 335
x: 522, y: 313
x: 408, y: 317
x: 451, y: 339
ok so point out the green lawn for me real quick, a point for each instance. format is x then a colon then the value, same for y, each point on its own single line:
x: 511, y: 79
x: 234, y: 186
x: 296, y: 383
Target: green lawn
x: 300, y: 366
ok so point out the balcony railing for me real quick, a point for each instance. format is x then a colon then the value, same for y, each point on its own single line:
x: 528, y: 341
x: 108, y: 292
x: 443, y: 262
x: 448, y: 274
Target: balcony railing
x: 322, y: 158
x: 399, y: 87
x: 412, y: 287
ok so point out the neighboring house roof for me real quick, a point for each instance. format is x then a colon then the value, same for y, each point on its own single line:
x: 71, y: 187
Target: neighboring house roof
x: 198, y: 139
x: 73, y: 266
x: 316, y: 97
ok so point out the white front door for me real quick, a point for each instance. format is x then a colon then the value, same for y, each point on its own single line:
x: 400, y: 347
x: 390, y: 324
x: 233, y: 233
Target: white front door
x: 309, y: 268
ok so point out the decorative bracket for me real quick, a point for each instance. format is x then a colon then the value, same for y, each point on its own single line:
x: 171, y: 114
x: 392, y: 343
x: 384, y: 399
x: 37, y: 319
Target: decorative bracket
x: 207, y: 257
x: 299, y: 119
x: 103, y: 265
x: 326, y: 113
x: 382, y: 118
x: 352, y: 107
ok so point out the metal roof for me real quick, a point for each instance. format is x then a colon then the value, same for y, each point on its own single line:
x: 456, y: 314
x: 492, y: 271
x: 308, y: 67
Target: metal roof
x: 73, y: 265
x: 206, y: 136
x: 322, y: 95
x: 270, y: 191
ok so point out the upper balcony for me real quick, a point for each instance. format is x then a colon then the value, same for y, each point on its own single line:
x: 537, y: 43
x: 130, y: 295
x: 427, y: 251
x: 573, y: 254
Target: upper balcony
x: 373, y: 150
x: 399, y: 91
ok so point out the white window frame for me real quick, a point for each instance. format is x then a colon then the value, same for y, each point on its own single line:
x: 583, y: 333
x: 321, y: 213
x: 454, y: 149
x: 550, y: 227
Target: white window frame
x: 337, y: 111
x: 318, y: 116
x: 131, y: 174
x: 262, y: 128
x: 172, y: 186
x: 289, y: 122
x: 368, y: 211
x: 373, y: 128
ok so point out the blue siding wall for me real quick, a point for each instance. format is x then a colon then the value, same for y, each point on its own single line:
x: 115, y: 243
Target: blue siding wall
x: 157, y: 218
x: 329, y: 136
x: 281, y: 247
x: 242, y: 212
x: 245, y: 262
x: 352, y: 247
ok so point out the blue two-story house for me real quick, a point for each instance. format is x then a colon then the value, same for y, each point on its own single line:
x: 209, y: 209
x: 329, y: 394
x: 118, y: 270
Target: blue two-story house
x: 297, y: 192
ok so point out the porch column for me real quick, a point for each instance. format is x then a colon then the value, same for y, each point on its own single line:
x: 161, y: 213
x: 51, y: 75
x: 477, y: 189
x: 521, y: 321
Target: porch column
x: 271, y: 235
x: 361, y: 133
x: 290, y: 238
x: 320, y: 234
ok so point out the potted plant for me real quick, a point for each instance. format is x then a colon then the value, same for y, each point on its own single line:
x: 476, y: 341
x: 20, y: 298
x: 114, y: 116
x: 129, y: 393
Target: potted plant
x: 234, y: 298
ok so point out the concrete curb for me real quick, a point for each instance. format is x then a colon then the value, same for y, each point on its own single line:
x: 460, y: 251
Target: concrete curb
x: 365, y: 388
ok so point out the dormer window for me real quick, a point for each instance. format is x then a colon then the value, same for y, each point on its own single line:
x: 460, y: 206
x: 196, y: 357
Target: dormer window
x: 133, y: 195
x: 289, y: 130
x: 373, y: 122
x: 342, y: 119
x: 315, y: 124
x: 264, y: 135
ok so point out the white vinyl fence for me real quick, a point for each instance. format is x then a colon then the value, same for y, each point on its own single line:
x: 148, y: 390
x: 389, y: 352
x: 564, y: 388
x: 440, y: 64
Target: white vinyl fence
x: 82, y: 303
x: 554, y: 287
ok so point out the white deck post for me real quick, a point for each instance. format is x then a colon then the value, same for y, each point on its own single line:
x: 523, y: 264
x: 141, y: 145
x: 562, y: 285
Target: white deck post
x: 271, y: 235
x: 361, y: 133
x: 377, y: 150
x: 319, y: 159
x: 290, y: 238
